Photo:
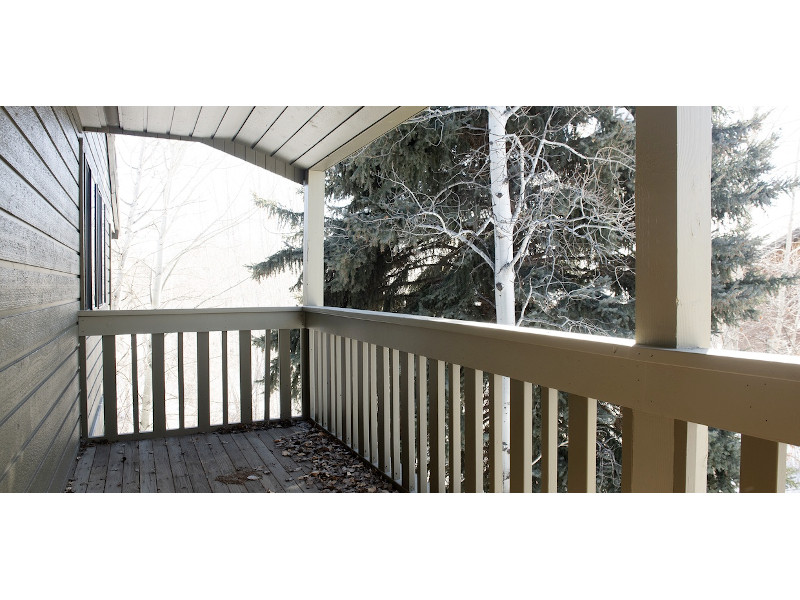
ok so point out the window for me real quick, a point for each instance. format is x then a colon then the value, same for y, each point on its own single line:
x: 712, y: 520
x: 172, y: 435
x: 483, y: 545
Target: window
x: 95, y: 248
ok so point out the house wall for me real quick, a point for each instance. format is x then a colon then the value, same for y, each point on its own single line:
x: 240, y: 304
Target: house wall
x: 40, y: 292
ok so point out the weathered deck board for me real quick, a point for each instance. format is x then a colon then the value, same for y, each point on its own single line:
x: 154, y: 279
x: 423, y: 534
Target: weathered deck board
x: 147, y: 468
x: 115, y: 466
x: 211, y: 467
x: 180, y: 475
x: 82, y: 470
x: 97, y: 476
x: 130, y: 467
x: 194, y: 467
x: 164, y: 481
x: 241, y: 462
x: 268, y: 438
x: 267, y: 479
x: 193, y: 463
x: 285, y: 479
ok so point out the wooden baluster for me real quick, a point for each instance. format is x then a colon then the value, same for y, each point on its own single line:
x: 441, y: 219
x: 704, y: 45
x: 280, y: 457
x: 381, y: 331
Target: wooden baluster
x: 313, y: 373
x: 355, y: 391
x: 373, y: 404
x: 364, y: 399
x: 135, y: 382
x: 421, y: 394
x: 437, y: 426
x: 110, y: 387
x: 763, y: 466
x: 181, y: 387
x: 326, y: 382
x: 330, y: 389
x: 396, y: 466
x: 495, y: 433
x: 84, y: 391
x: 549, y: 441
x: 341, y: 387
x: 159, y: 388
x: 521, y: 436
x: 224, y: 377
x: 347, y: 391
x: 406, y: 407
x: 245, y: 377
x: 454, y: 428
x: 581, y: 470
x: 336, y: 385
x: 285, y: 372
x: 267, y: 374
x: 203, y: 383
x: 384, y: 410
x: 473, y: 430
x: 306, y: 378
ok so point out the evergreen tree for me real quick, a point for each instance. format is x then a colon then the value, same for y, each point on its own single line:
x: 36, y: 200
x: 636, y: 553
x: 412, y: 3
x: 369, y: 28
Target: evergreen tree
x: 381, y: 254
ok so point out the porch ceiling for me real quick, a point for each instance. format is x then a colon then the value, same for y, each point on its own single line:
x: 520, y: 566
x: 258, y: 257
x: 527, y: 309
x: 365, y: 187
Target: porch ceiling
x: 287, y: 140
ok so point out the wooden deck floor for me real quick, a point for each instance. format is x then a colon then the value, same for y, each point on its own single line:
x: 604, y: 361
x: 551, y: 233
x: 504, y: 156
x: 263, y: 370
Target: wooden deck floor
x: 215, y: 462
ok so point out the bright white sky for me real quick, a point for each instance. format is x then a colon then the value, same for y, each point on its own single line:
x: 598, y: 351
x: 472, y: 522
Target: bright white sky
x: 786, y: 120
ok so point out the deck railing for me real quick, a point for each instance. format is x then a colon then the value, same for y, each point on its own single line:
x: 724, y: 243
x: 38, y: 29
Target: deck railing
x: 390, y: 387
x: 102, y: 418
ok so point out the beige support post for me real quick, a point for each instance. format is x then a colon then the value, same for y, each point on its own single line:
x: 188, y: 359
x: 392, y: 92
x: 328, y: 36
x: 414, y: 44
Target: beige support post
x: 521, y: 443
x: 473, y: 430
x: 549, y: 442
x: 495, y: 433
x: 673, y: 283
x: 582, y: 456
x: 437, y: 426
x: 763, y: 466
x: 421, y: 393
x: 313, y: 239
x: 454, y: 428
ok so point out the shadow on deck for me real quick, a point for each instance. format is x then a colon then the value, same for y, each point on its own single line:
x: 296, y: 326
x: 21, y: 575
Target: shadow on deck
x: 298, y: 459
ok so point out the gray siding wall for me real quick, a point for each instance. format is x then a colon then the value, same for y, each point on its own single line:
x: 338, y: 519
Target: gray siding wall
x: 40, y: 292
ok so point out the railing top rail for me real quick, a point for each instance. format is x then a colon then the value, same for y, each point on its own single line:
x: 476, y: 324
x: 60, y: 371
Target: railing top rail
x: 120, y: 322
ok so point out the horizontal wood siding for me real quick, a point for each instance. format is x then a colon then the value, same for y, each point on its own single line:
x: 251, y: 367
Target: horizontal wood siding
x: 40, y: 292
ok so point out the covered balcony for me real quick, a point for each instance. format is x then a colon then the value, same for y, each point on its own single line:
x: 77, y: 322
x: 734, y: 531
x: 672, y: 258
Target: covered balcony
x: 420, y: 399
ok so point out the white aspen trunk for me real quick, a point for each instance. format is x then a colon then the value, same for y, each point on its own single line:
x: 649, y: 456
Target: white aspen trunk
x: 503, y: 253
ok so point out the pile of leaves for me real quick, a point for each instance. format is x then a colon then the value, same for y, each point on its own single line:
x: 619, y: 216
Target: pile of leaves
x: 331, y: 464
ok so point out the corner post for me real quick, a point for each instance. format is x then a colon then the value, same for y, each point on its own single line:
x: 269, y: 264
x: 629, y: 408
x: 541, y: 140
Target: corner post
x: 673, y: 285
x: 313, y: 272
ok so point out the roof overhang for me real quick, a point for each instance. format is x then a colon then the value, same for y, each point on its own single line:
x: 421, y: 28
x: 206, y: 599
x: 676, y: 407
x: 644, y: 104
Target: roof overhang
x: 286, y: 140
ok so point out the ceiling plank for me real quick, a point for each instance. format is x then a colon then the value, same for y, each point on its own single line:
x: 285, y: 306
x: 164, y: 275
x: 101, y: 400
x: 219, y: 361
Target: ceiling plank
x: 133, y: 118
x: 208, y: 121
x: 184, y: 119
x: 159, y: 118
x: 259, y: 121
x: 317, y: 128
x: 232, y: 122
x: 285, y: 127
